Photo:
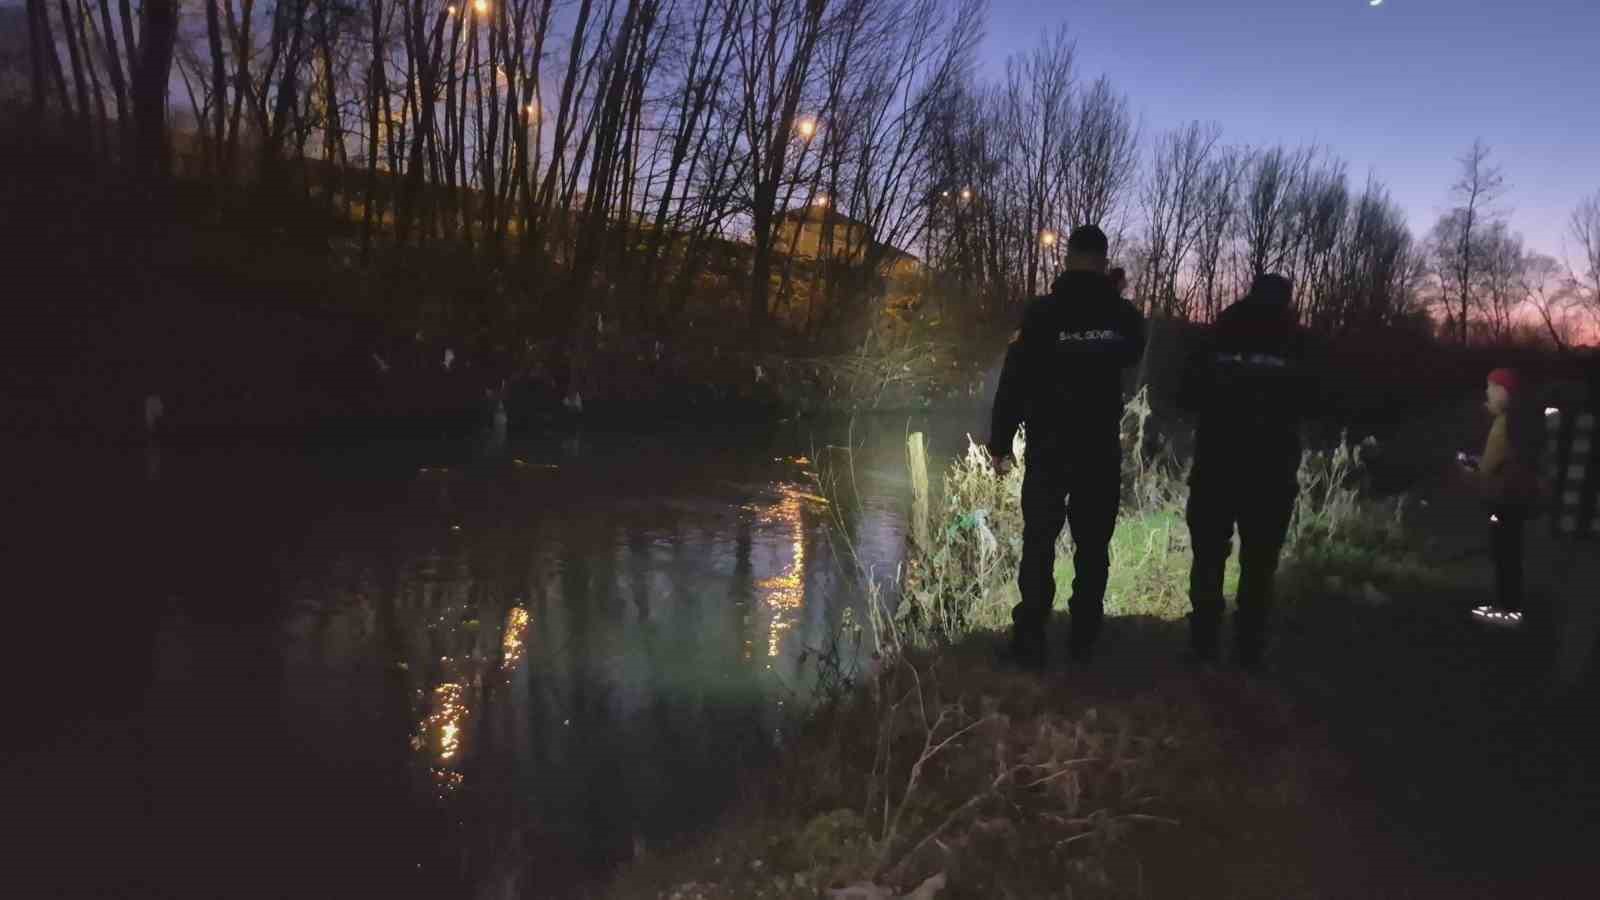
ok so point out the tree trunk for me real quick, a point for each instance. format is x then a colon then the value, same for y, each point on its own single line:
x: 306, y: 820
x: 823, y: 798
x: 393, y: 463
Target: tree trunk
x: 239, y: 32
x: 332, y: 121
x: 86, y: 37
x: 375, y: 88
x: 45, y: 61
x: 286, y: 100
x: 159, y: 27
x: 119, y: 82
x: 425, y: 78
x: 219, y: 96
x: 129, y: 41
x: 80, y: 84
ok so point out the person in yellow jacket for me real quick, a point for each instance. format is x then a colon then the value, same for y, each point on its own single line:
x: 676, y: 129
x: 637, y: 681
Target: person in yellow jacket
x: 1506, y: 476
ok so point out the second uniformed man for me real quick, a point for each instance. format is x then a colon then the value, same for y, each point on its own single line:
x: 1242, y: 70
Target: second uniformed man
x: 1249, y: 391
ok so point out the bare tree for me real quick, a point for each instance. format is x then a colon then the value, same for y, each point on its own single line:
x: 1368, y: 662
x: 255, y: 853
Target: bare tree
x: 1504, y: 265
x: 1554, y: 298
x: 1584, y: 275
x: 1175, y: 207
x: 1219, y: 202
x: 1039, y: 103
x: 776, y: 44
x: 924, y: 47
x: 158, y: 35
x: 1271, y: 188
x: 80, y: 82
x: 115, y: 71
x: 1378, y: 266
x: 1458, y: 247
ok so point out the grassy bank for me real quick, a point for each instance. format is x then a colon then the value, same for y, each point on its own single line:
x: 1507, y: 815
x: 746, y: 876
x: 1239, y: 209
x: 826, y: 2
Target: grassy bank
x: 959, y: 574
x: 933, y: 772
x: 943, y: 775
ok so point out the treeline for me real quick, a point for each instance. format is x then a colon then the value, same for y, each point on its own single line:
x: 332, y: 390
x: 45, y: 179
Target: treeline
x: 1193, y: 219
x: 612, y: 150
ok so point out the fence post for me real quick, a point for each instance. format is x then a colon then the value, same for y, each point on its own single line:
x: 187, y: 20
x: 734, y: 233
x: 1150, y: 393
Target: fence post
x: 917, y: 462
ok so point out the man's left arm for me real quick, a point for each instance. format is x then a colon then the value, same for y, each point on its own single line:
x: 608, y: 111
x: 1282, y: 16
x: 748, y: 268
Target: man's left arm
x: 1009, y: 396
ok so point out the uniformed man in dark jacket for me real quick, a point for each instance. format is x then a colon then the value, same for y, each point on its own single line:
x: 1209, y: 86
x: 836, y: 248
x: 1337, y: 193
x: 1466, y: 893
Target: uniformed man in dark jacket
x: 1249, y: 389
x: 1063, y: 379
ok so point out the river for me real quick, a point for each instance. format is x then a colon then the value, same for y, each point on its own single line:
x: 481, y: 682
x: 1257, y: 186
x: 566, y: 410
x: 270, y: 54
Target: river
x: 496, y: 669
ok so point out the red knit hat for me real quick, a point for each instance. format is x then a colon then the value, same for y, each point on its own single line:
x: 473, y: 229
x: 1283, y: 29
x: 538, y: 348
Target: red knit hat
x: 1506, y: 378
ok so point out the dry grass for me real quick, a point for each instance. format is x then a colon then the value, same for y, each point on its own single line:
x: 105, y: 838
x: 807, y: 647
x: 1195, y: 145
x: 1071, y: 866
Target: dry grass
x: 934, y: 769
x: 939, y: 768
x: 962, y: 578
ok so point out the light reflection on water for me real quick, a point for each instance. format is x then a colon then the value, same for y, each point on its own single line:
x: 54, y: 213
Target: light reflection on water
x: 578, y: 670
x: 785, y: 593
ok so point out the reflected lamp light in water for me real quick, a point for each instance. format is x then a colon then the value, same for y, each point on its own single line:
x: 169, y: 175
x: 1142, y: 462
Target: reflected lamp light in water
x: 441, y: 734
x: 785, y: 593
x: 446, y: 720
x: 512, y: 645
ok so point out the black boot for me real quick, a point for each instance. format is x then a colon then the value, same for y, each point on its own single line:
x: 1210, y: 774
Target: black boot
x: 1204, y: 634
x: 1249, y: 642
x: 1028, y: 649
x: 1081, y: 637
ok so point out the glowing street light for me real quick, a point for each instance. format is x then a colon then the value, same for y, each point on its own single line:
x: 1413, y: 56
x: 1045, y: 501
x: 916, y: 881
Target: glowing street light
x: 451, y: 9
x: 807, y: 128
x: 821, y: 200
x: 481, y: 7
x: 966, y: 193
x: 1048, y: 238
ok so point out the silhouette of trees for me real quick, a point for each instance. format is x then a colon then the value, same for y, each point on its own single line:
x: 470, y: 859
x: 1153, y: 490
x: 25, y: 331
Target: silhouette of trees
x: 1460, y: 239
x: 632, y: 157
x: 1584, y: 273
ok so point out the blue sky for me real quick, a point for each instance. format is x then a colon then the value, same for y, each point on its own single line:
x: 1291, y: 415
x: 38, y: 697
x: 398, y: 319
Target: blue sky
x: 1401, y: 89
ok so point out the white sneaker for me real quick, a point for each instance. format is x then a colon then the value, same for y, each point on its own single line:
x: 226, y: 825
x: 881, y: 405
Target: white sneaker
x: 1494, y: 615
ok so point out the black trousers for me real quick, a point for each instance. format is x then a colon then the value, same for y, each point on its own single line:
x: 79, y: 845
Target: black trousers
x: 1262, y: 512
x: 1506, y: 538
x: 1087, y: 494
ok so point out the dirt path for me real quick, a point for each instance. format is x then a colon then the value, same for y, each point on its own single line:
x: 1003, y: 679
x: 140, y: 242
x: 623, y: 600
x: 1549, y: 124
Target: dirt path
x: 1477, y: 773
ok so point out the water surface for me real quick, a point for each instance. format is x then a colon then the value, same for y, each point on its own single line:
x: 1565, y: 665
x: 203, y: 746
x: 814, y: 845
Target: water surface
x: 486, y: 670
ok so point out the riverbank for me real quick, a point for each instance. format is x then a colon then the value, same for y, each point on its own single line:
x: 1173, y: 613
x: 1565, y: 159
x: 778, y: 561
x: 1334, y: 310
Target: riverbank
x: 1132, y: 778
x: 1391, y: 729
x: 1396, y: 751
x: 262, y: 317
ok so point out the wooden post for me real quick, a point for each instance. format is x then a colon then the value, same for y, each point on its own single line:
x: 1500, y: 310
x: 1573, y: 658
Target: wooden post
x: 917, y: 461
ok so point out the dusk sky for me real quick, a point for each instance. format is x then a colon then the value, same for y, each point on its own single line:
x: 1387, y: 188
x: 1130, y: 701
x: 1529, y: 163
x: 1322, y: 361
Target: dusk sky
x: 1400, y: 89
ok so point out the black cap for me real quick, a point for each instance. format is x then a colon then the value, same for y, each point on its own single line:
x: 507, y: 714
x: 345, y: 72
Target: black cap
x: 1273, y: 289
x: 1088, y: 239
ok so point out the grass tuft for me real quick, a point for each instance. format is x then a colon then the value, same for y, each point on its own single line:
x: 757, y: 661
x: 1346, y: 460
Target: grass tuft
x: 962, y: 579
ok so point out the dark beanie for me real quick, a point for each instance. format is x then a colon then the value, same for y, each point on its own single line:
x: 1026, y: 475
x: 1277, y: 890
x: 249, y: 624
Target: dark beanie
x: 1088, y: 239
x: 1272, y: 289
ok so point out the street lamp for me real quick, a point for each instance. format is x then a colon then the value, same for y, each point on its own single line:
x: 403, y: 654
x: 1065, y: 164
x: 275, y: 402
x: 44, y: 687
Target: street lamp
x: 451, y: 9
x: 822, y: 200
x: 1047, y: 237
x: 481, y: 7
x: 966, y: 193
x: 807, y: 128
